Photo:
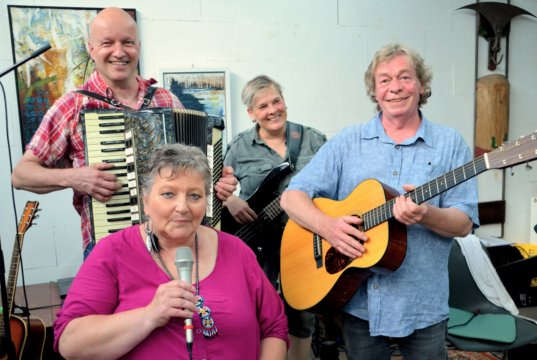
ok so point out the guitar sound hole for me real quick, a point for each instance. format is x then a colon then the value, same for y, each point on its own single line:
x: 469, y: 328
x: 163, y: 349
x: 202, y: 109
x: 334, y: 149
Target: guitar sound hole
x: 335, y: 261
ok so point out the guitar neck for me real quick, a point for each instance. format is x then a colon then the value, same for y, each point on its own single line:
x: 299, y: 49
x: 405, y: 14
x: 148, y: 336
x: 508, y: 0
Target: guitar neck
x: 269, y: 213
x: 427, y: 191
x: 25, y: 222
x: 14, y: 271
x: 273, y: 209
x: 11, y: 282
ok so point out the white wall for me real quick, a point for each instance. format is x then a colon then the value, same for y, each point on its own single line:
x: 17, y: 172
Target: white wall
x: 318, y: 50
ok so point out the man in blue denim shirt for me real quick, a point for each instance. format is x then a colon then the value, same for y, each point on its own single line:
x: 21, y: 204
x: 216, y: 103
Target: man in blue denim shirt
x: 400, y: 148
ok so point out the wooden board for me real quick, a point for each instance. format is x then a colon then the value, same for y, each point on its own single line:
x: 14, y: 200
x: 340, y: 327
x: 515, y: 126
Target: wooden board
x: 492, y: 113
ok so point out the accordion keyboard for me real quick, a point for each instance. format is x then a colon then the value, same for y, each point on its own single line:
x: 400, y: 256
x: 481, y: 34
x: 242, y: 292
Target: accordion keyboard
x: 105, y: 142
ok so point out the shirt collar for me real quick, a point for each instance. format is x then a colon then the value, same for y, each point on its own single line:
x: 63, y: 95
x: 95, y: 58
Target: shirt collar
x: 373, y: 129
x: 100, y: 85
x: 257, y: 139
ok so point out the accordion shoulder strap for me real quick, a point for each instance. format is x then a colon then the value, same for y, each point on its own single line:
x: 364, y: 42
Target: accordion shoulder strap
x: 147, y: 98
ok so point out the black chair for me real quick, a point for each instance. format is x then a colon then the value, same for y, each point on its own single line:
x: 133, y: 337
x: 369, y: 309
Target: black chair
x: 516, y: 273
x: 465, y: 295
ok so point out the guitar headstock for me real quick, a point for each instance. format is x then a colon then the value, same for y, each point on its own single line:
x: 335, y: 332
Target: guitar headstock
x: 28, y: 216
x: 513, y: 153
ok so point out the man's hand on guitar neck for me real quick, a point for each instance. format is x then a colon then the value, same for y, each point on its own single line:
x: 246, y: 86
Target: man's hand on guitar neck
x: 407, y: 211
x: 240, y: 210
x: 448, y: 222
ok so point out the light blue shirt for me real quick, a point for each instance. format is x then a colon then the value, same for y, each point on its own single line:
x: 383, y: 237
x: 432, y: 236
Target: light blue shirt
x: 414, y: 296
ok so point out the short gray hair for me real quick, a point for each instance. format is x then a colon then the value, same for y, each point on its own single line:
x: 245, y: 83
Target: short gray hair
x: 252, y: 87
x: 388, y: 52
x: 179, y: 158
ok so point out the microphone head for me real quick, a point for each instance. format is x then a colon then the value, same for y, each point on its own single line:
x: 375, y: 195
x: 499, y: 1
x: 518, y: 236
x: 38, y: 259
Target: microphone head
x: 40, y: 51
x: 183, y: 262
x: 183, y: 253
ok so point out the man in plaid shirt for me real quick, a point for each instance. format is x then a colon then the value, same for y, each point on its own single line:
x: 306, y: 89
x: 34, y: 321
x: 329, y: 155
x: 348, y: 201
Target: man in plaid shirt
x: 54, y: 159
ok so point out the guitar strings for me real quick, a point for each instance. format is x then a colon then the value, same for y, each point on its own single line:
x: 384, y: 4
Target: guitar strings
x: 249, y: 229
x: 443, y: 183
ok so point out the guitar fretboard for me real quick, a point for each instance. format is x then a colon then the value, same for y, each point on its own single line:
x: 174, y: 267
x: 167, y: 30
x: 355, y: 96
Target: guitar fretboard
x: 25, y: 222
x: 427, y: 191
x: 265, y: 216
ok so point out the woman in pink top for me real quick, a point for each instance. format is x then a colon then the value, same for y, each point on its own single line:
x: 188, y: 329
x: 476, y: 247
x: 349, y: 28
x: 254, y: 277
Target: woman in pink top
x: 127, y: 300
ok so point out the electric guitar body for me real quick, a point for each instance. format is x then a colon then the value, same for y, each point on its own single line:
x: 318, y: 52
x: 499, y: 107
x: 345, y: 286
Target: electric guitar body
x: 265, y: 201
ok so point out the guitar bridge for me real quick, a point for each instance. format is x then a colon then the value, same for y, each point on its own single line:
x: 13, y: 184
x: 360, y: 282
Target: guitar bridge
x: 318, y: 250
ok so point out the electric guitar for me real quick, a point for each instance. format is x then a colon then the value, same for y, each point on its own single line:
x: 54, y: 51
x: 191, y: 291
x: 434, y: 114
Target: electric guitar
x: 266, y: 203
x: 316, y: 277
x: 28, y: 339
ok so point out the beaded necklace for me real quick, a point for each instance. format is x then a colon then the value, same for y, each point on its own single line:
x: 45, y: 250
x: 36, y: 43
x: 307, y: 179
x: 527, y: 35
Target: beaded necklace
x: 208, y: 326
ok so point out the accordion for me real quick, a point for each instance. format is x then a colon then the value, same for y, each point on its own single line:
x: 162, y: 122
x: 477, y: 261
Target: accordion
x: 127, y: 139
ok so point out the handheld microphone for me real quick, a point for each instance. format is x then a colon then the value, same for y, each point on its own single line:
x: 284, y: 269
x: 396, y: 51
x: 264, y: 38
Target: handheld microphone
x: 184, y: 262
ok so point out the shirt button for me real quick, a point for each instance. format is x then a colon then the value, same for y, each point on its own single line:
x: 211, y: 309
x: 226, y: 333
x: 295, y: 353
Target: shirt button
x: 395, y: 173
x: 397, y: 147
x: 198, y: 331
x: 376, y: 286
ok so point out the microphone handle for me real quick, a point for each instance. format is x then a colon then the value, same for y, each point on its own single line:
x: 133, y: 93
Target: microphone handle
x: 189, y: 333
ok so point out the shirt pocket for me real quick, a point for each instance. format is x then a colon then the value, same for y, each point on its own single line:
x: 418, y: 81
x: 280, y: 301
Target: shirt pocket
x: 250, y: 173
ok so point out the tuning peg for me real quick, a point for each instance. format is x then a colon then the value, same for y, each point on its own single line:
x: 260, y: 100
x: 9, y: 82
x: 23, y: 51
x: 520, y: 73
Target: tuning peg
x: 528, y: 166
x: 512, y: 171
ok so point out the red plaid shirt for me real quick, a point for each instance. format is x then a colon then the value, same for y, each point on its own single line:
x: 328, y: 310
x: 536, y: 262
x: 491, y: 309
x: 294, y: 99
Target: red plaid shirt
x: 59, y: 142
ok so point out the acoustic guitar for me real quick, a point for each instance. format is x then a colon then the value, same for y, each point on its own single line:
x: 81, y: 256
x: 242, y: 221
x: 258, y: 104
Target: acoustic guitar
x: 265, y: 201
x: 27, y: 339
x: 316, y: 277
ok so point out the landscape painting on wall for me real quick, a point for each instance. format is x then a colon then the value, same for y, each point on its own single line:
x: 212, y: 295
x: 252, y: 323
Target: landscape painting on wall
x: 201, y: 90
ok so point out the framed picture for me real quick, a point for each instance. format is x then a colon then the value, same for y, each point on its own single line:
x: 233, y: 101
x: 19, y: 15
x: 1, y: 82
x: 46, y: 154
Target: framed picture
x: 204, y: 90
x: 65, y: 66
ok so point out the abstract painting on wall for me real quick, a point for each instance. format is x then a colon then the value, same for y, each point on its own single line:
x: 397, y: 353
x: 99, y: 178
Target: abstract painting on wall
x: 64, y: 67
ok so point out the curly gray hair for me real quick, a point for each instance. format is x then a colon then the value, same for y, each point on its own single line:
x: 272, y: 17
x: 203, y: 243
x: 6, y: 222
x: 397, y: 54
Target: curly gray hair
x: 388, y: 52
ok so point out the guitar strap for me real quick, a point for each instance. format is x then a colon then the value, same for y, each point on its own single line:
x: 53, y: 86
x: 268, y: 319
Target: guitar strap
x: 294, y: 140
x: 113, y: 102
